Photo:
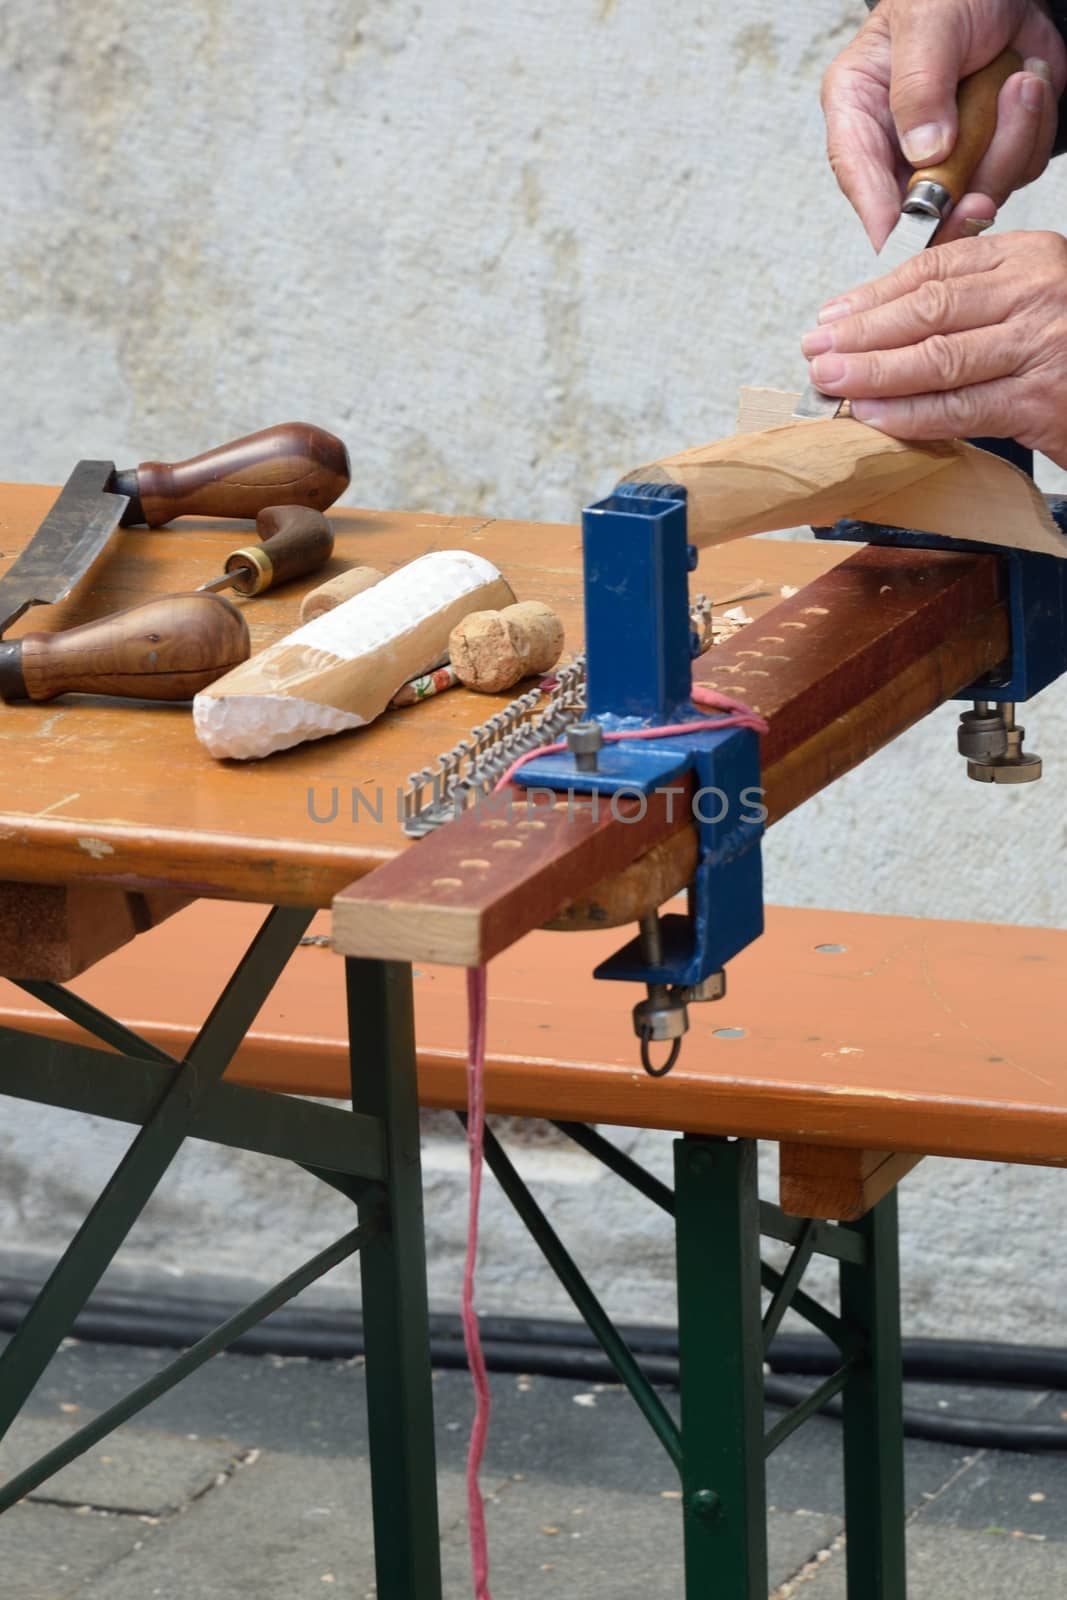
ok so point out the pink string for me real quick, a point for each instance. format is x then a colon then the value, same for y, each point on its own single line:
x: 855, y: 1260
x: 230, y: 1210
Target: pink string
x: 476, y: 1018
x: 738, y: 715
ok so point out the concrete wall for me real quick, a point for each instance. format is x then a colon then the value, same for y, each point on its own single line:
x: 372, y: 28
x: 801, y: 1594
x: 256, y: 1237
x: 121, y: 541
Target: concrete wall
x: 506, y: 251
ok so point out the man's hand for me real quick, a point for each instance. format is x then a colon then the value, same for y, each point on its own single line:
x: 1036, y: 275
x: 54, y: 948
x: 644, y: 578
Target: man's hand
x: 965, y: 339
x: 890, y: 103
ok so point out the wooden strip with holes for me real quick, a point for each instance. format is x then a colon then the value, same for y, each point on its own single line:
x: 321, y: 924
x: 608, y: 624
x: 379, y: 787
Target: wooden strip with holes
x: 882, y: 639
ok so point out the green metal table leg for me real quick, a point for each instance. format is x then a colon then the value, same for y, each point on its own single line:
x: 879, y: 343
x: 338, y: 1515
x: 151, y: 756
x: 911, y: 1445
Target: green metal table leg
x: 720, y: 1350
x: 873, y: 1414
x: 134, y: 1181
x: 396, y: 1327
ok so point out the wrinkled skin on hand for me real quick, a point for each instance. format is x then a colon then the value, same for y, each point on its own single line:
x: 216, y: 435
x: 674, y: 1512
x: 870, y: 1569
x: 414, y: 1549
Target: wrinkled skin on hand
x: 890, y: 103
x: 965, y: 339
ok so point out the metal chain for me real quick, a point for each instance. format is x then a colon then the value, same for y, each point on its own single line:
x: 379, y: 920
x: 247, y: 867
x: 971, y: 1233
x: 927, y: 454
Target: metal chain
x: 474, y: 765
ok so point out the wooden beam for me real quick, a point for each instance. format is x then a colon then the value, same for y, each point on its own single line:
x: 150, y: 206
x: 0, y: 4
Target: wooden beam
x: 837, y: 1184
x: 869, y: 648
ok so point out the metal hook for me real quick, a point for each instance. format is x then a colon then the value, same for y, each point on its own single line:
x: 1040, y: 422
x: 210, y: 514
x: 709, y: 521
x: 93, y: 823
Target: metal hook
x: 646, y: 1058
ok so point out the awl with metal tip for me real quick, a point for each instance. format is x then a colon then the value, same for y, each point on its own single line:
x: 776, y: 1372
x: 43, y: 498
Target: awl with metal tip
x: 296, y: 541
x: 293, y: 463
x: 933, y: 191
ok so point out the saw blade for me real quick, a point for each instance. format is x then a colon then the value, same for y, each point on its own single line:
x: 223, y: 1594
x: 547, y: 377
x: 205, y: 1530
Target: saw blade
x: 66, y: 544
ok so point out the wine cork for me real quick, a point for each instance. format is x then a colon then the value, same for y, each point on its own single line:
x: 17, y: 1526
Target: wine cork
x: 492, y: 650
x: 334, y: 591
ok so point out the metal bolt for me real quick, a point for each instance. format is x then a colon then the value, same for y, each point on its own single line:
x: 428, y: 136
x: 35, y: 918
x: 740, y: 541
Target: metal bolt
x: 584, y: 741
x: 705, y: 1504
x: 1014, y: 764
x: 982, y: 735
x: 661, y: 1015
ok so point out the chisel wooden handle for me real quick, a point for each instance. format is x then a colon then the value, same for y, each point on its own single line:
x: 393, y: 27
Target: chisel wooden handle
x: 166, y: 649
x: 296, y: 541
x: 976, y: 104
x: 291, y: 464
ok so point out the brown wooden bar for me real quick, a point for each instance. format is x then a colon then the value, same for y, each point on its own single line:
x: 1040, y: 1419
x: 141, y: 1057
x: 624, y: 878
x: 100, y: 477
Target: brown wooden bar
x: 838, y: 670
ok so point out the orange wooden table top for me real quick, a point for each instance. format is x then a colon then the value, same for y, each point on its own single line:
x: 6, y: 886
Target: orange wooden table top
x: 934, y: 1037
x: 117, y: 792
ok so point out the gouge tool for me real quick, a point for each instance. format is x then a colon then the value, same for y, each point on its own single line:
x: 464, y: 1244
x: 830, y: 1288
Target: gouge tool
x: 933, y: 191
x: 292, y: 464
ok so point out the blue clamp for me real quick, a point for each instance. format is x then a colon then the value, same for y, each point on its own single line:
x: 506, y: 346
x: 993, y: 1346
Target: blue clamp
x: 640, y: 646
x: 1036, y: 587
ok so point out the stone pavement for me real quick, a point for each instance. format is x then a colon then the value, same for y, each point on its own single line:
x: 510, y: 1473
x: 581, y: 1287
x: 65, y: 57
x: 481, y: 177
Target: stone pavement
x: 251, y: 1480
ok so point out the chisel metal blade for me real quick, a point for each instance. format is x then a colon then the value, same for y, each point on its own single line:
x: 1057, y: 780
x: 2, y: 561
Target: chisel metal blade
x: 70, y: 538
x: 912, y: 232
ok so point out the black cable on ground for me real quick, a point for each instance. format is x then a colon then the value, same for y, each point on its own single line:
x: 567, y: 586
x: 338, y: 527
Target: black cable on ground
x: 564, y: 1349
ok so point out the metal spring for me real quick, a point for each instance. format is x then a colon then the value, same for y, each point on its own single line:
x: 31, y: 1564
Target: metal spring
x: 479, y: 761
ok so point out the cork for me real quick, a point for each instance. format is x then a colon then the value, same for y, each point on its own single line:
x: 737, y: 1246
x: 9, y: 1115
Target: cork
x: 491, y: 650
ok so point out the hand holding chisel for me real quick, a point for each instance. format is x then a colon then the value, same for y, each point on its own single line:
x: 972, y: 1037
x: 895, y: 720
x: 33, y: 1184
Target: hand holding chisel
x: 933, y: 190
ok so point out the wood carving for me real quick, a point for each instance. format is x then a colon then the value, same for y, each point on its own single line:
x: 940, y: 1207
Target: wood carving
x: 790, y: 473
x: 340, y: 670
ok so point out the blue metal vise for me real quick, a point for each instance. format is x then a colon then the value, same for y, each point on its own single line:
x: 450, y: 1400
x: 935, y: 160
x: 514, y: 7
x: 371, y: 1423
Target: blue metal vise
x: 640, y: 646
x: 1036, y: 589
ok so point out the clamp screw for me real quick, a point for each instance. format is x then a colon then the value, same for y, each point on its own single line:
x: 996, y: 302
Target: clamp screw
x: 584, y: 741
x: 993, y: 745
x: 982, y: 735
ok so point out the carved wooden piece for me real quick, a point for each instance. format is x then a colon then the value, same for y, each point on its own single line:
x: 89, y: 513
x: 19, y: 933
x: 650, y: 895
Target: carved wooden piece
x: 838, y: 669
x: 166, y: 649
x: 294, y: 463
x: 339, y: 671
x: 814, y: 473
x: 838, y: 1185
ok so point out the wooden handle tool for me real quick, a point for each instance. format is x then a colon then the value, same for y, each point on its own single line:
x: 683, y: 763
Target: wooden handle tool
x: 976, y: 105
x: 166, y: 649
x: 294, y: 463
x: 296, y: 540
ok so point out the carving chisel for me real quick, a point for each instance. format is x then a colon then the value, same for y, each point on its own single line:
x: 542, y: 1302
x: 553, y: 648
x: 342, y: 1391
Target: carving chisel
x: 933, y: 191
x: 293, y: 463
